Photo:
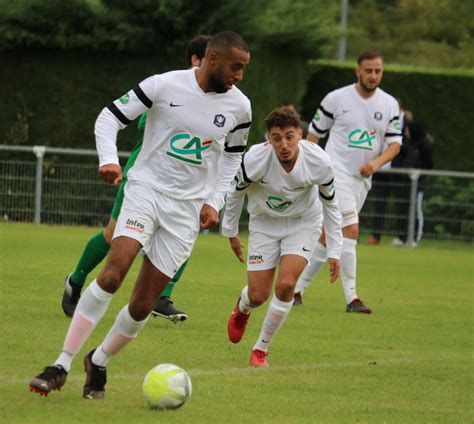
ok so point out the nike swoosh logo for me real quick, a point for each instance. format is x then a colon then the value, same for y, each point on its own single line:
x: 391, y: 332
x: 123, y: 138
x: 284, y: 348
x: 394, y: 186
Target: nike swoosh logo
x: 306, y: 250
x: 345, y: 111
x: 264, y: 341
x: 263, y: 182
x: 173, y: 105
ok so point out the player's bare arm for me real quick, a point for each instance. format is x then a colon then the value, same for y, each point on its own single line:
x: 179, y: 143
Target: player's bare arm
x: 237, y: 247
x: 369, y: 168
x: 111, y: 173
x: 312, y: 138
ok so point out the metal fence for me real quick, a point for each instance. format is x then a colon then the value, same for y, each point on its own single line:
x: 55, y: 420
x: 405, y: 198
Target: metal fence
x: 59, y: 191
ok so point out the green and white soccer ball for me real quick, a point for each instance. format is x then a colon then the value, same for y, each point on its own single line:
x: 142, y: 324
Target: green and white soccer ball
x: 166, y: 386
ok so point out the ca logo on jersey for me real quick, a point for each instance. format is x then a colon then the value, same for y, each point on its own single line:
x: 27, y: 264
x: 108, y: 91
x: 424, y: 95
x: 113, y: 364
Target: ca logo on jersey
x: 362, y: 139
x: 277, y: 203
x: 187, y: 148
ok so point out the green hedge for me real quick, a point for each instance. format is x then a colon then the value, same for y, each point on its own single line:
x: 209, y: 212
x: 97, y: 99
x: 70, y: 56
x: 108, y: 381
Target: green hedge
x: 442, y: 99
x: 54, y: 98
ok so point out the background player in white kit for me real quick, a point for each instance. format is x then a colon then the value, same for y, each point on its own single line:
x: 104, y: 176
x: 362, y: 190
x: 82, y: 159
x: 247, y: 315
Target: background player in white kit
x: 195, y: 135
x: 359, y: 119
x: 282, y: 179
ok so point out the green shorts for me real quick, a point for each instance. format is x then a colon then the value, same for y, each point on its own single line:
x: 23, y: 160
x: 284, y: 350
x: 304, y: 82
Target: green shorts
x: 118, y: 200
x: 130, y: 162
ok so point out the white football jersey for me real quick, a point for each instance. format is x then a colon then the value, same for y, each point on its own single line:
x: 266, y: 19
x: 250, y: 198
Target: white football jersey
x: 358, y: 127
x: 274, y: 192
x: 187, y: 133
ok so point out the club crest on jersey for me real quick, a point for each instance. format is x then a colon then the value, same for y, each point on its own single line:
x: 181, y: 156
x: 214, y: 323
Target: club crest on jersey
x: 187, y: 148
x: 362, y: 139
x: 277, y: 203
x: 378, y: 116
x: 219, y: 120
x: 124, y: 99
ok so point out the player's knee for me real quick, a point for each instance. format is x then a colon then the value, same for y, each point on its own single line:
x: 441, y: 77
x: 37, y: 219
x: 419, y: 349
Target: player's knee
x: 111, y: 279
x: 258, y: 298
x: 285, y: 289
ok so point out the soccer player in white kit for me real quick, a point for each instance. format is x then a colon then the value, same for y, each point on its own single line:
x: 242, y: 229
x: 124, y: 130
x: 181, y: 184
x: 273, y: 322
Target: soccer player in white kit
x: 195, y: 135
x: 359, y: 119
x: 283, y: 179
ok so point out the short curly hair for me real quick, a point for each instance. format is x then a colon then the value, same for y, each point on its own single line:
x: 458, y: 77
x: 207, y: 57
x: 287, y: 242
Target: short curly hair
x: 283, y: 117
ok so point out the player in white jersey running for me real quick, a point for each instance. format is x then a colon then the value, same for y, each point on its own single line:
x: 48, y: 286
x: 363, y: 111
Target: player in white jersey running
x: 283, y: 179
x: 195, y: 135
x: 359, y: 119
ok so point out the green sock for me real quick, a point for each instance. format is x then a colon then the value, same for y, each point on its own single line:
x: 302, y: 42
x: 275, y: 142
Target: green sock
x: 170, y: 287
x: 95, y: 251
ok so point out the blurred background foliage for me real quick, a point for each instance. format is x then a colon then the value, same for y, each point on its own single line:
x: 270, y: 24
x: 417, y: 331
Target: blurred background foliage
x: 63, y: 60
x: 422, y: 32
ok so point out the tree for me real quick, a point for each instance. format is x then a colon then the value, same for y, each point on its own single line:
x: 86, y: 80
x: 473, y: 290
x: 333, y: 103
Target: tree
x: 417, y: 32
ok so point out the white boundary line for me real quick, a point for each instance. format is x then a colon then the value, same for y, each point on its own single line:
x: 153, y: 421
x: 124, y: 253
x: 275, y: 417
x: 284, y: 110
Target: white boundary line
x: 15, y: 380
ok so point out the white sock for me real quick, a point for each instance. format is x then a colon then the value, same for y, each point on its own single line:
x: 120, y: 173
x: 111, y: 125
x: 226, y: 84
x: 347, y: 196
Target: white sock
x: 348, y: 269
x: 315, y: 265
x: 89, y: 311
x: 276, y: 315
x: 124, y: 330
x: 244, y: 305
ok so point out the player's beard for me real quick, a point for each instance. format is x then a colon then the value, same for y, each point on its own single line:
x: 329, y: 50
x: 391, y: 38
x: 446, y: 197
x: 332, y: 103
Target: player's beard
x: 217, y: 83
x: 367, y: 89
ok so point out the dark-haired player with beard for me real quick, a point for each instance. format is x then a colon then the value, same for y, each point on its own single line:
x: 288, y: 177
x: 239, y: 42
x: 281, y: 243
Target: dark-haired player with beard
x: 359, y: 119
x: 98, y: 245
x: 196, y: 131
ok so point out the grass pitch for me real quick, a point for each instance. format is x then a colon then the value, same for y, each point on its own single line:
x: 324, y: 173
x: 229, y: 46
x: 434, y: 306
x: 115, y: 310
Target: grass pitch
x: 409, y: 362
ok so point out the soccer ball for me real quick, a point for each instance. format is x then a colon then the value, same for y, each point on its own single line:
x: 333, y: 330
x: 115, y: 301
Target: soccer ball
x: 166, y: 386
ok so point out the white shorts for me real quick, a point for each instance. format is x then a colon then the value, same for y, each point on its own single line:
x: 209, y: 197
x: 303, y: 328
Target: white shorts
x: 167, y: 228
x: 351, y: 193
x: 272, y: 238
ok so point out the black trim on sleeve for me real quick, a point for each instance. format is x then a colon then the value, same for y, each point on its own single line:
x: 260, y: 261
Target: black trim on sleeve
x: 329, y: 183
x: 328, y: 114
x: 317, y: 129
x: 327, y: 197
x: 143, y: 97
x: 244, y: 173
x: 241, y: 126
x: 393, y: 119
x: 234, y: 149
x: 118, y: 114
x: 393, y: 134
x: 237, y: 188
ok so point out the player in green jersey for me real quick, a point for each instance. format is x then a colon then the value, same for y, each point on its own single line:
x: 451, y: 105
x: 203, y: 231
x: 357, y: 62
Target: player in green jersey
x: 98, y: 246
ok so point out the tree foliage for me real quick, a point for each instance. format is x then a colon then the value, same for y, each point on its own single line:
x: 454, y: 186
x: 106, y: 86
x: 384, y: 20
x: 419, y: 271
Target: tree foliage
x: 165, y: 25
x: 418, y: 32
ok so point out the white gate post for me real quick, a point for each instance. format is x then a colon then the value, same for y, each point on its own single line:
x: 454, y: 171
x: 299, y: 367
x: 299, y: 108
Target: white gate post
x: 414, y: 176
x: 39, y: 153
